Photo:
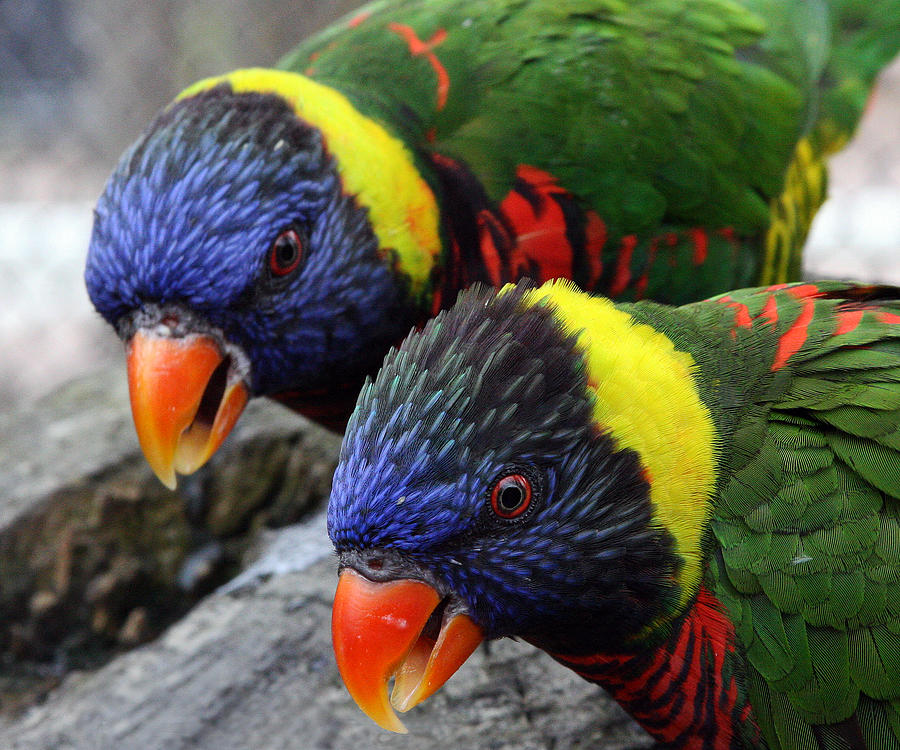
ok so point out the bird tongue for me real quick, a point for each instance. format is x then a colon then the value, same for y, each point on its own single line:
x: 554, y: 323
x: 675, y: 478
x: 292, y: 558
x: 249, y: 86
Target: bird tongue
x: 182, y: 403
x: 396, y: 630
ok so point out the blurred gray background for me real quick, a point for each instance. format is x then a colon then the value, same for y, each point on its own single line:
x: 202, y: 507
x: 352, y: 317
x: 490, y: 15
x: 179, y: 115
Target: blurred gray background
x: 80, y: 78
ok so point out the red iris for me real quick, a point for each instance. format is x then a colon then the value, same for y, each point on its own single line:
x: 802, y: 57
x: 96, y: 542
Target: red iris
x: 511, y: 496
x: 286, y: 253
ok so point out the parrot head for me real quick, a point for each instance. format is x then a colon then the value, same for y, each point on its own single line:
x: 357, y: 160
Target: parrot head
x: 233, y: 260
x: 476, y: 497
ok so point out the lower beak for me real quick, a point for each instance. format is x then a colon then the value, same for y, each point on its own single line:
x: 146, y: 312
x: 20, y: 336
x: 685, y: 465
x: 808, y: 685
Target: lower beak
x: 396, y: 630
x: 181, y: 399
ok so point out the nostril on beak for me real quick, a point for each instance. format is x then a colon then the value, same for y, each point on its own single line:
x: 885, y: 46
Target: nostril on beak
x: 375, y: 562
x: 168, y: 324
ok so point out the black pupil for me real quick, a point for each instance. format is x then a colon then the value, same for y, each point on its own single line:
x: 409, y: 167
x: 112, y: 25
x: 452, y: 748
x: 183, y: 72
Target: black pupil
x: 286, y: 250
x: 511, y: 497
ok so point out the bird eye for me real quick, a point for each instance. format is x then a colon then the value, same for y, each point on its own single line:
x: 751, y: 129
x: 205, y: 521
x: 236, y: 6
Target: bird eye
x: 286, y: 252
x: 511, y: 495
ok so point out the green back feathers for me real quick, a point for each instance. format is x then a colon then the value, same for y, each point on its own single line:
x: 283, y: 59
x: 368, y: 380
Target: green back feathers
x: 665, y: 118
x: 628, y: 76
x: 627, y: 79
x: 802, y: 526
x: 807, y: 522
x: 803, y: 384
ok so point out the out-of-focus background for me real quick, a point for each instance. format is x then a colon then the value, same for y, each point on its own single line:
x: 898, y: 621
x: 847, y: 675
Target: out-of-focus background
x: 80, y: 78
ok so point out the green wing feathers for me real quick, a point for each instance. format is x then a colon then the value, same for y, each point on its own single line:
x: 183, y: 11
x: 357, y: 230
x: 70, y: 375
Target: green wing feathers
x: 625, y: 79
x: 808, y: 523
x: 661, y: 117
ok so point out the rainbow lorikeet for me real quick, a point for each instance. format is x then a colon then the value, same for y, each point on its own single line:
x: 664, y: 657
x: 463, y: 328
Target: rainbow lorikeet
x: 274, y: 231
x: 696, y: 507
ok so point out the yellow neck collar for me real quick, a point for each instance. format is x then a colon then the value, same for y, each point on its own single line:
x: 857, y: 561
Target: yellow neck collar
x: 374, y: 166
x: 646, y: 399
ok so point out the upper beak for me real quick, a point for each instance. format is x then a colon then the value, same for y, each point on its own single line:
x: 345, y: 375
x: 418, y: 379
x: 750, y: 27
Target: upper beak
x: 396, y: 629
x: 183, y: 401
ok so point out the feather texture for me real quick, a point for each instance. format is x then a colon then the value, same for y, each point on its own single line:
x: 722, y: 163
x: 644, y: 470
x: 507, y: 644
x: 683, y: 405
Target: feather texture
x: 655, y: 149
x: 789, y: 637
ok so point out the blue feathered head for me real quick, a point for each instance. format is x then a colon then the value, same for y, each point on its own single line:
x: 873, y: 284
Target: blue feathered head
x: 228, y: 215
x: 472, y: 463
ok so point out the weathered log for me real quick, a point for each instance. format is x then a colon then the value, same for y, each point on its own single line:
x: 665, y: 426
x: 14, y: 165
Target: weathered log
x: 95, y: 555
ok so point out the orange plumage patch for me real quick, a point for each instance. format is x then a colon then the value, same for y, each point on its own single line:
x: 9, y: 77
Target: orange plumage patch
x: 534, y: 210
x: 701, y: 245
x: 794, y: 337
x: 848, y: 320
x: 770, y: 311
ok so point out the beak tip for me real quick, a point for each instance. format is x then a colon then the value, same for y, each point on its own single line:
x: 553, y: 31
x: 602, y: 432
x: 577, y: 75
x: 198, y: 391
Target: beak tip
x: 168, y: 379
x: 163, y: 470
x: 403, y: 706
x: 169, y: 482
x: 377, y: 635
x: 391, y: 723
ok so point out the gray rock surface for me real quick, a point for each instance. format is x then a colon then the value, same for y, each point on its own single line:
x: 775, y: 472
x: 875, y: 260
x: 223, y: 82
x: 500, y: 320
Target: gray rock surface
x: 255, y: 670
x: 82, y: 521
x: 97, y: 556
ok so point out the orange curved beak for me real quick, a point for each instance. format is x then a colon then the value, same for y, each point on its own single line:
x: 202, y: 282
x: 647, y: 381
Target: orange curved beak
x: 182, y: 403
x: 390, y: 630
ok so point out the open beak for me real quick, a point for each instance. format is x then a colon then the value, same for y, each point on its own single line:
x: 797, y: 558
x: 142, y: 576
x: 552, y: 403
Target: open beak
x: 400, y: 630
x: 182, y: 400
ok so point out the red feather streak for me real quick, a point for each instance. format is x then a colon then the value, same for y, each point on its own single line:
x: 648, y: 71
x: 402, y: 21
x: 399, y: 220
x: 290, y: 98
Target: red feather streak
x: 701, y: 245
x: 623, y: 263
x: 417, y: 48
x: 678, y: 692
x: 358, y: 19
x: 795, y: 336
x: 770, y: 311
x: 848, y: 320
